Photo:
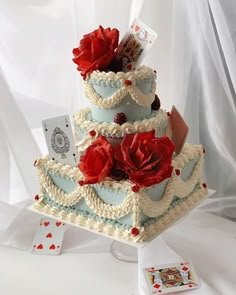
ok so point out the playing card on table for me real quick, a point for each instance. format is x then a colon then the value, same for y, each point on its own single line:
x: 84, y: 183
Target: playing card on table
x: 133, y: 47
x: 169, y: 278
x: 179, y: 129
x: 48, y: 237
x: 60, y: 142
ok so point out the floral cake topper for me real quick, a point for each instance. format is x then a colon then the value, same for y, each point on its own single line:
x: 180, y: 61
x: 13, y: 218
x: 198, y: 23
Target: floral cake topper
x: 96, y: 50
x: 142, y: 158
x: 99, y: 50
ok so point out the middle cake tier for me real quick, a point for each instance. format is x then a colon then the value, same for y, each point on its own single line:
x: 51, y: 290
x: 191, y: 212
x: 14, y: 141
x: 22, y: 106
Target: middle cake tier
x: 87, y: 129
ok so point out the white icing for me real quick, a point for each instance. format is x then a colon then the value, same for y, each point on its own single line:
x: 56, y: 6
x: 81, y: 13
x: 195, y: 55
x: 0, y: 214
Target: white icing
x: 152, y: 230
x: 141, y: 73
x: 141, y: 99
x: 113, y: 129
x: 134, y: 202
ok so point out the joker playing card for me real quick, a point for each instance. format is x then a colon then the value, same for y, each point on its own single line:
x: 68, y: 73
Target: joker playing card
x: 48, y: 237
x: 60, y: 142
x: 171, y: 278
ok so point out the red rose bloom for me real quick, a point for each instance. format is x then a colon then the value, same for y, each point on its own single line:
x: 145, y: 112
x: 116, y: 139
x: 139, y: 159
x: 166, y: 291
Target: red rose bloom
x: 145, y: 158
x: 97, y: 161
x: 96, y: 50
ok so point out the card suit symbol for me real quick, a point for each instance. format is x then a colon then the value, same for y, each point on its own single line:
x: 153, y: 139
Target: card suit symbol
x: 52, y: 247
x: 129, y: 67
x: 60, y: 141
x: 157, y: 286
x: 185, y: 268
x: 40, y: 247
x: 136, y: 28
x: 49, y: 235
x: 58, y: 224
x: 46, y: 223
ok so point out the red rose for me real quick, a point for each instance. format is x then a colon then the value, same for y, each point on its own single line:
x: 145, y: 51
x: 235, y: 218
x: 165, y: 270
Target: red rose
x: 145, y: 158
x: 97, y: 161
x: 96, y: 50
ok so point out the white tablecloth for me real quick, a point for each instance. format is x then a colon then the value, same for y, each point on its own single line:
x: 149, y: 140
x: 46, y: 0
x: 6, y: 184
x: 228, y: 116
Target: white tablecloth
x: 86, y: 266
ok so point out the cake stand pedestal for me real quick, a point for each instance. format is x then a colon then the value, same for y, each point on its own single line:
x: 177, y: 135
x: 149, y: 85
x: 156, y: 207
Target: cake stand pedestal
x: 124, y: 252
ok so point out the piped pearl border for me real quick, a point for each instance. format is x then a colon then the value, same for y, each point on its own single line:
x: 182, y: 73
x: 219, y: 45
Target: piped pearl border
x: 141, y: 99
x: 115, y: 130
x: 141, y: 73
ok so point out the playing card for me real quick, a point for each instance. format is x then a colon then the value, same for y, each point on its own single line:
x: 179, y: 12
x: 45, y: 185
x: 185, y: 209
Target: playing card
x: 171, y: 278
x: 60, y: 142
x: 179, y: 129
x: 48, y: 237
x: 133, y: 47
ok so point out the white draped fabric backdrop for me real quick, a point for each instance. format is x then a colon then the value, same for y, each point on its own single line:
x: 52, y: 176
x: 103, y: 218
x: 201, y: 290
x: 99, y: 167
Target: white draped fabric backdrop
x: 194, y: 56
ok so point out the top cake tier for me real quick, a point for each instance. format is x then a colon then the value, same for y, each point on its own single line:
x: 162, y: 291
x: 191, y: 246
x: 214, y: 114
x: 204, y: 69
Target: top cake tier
x: 130, y: 93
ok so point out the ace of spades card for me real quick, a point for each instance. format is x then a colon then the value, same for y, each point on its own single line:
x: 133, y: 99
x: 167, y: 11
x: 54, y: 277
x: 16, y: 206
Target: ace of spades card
x: 59, y: 138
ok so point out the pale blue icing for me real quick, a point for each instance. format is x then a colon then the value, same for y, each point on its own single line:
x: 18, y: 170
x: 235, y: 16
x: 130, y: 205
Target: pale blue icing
x: 160, y: 129
x: 128, y: 106
x: 176, y: 201
x: 114, y: 197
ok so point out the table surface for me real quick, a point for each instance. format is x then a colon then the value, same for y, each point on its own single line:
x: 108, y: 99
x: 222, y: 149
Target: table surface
x: 86, y: 265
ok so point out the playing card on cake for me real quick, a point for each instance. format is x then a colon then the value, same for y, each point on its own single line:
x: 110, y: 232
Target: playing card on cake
x: 135, y: 44
x: 179, y: 129
x: 60, y: 142
x: 169, y: 278
x: 48, y: 237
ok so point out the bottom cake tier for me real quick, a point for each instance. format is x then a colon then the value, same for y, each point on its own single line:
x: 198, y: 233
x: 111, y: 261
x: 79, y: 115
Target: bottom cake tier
x: 113, y: 208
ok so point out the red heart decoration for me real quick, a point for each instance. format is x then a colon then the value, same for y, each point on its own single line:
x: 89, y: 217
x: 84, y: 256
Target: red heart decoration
x: 40, y: 247
x: 49, y: 235
x: 129, y: 67
x: 157, y: 286
x: 136, y: 28
x: 52, y: 247
x: 58, y: 224
x: 46, y: 223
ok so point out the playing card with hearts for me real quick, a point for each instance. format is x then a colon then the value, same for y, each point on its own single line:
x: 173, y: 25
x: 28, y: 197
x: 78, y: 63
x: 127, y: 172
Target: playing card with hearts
x: 179, y: 129
x: 48, y: 237
x: 169, y: 278
x: 60, y: 142
x: 134, y: 45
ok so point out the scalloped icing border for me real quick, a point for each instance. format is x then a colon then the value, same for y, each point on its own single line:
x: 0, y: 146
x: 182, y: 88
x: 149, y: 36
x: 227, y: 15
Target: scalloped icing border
x: 115, y: 130
x: 141, y: 73
x: 149, y: 232
x: 135, y: 202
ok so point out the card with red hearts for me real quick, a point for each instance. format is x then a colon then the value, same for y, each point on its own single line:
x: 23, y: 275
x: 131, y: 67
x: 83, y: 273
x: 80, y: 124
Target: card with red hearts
x: 179, y: 129
x: 49, y: 237
x: 134, y: 45
x: 169, y: 278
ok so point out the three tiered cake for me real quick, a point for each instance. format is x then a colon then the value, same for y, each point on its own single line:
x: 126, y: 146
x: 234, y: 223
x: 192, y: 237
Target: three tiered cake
x: 130, y: 182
